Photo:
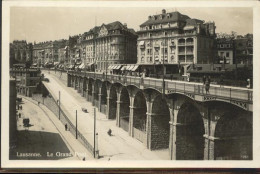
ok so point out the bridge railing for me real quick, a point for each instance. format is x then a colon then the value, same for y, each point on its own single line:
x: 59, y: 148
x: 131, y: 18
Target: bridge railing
x: 220, y: 92
x: 176, y: 86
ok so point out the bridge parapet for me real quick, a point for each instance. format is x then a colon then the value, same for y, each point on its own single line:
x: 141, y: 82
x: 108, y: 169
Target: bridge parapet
x: 239, y: 96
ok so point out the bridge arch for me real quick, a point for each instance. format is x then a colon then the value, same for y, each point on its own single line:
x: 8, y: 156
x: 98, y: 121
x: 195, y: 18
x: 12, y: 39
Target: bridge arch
x: 160, y: 128
x: 103, y: 97
x: 189, y: 133
x: 90, y: 89
x: 139, y: 116
x: 233, y: 134
x: 124, y: 109
x: 112, y: 102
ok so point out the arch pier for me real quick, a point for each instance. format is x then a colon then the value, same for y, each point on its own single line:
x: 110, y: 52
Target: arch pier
x: 187, y: 126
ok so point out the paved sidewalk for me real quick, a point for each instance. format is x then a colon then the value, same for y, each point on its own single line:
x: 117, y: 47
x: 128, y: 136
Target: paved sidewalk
x: 77, y: 149
x: 119, y: 146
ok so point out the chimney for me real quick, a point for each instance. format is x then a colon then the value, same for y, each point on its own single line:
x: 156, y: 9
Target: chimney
x: 149, y: 17
x: 125, y: 25
x: 163, y: 11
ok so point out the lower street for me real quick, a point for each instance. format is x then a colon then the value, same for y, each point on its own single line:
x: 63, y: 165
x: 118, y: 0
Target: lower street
x: 118, y: 146
x: 44, y: 138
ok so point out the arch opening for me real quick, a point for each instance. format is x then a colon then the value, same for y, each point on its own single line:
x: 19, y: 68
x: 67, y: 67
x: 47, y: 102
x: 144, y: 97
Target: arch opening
x: 139, y: 117
x: 96, y: 89
x: 189, y: 133
x: 90, y: 82
x: 160, y: 128
x: 112, y: 103
x: 103, y: 98
x: 234, y: 133
x: 124, y: 110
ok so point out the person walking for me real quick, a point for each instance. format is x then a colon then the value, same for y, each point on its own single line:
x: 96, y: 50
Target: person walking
x: 204, y: 79
x: 66, y: 127
x: 207, y: 84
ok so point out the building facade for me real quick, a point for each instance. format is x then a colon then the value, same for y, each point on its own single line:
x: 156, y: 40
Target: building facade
x: 107, y: 44
x: 173, y: 38
x: 47, y: 52
x: 27, y: 80
x: 225, y: 49
x: 20, y: 52
x: 244, y: 49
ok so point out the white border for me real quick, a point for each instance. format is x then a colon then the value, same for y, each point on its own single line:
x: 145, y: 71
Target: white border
x: 6, y: 163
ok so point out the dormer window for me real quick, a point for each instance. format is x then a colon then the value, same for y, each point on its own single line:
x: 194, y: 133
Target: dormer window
x: 161, y: 16
x: 168, y: 15
x: 153, y: 18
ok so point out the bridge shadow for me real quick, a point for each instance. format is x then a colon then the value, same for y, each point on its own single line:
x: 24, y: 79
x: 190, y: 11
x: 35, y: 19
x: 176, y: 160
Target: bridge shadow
x: 41, y: 143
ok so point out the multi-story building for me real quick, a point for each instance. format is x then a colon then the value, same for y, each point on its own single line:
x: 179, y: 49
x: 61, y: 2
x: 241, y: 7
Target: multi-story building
x: 63, y: 55
x: 20, y: 52
x: 47, y: 52
x: 26, y: 80
x: 108, y: 44
x: 225, y: 49
x: 172, y: 39
x: 73, y: 41
x: 244, y: 49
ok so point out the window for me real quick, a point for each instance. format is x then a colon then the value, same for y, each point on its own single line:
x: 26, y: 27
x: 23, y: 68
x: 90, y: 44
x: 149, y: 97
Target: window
x: 227, y: 54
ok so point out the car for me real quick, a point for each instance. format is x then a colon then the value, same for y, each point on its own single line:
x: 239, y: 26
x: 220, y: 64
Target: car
x: 46, y: 80
x: 19, y: 99
x: 84, y: 110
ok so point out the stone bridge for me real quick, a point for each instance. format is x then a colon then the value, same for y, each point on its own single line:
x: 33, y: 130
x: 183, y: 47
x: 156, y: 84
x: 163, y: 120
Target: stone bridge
x: 174, y: 115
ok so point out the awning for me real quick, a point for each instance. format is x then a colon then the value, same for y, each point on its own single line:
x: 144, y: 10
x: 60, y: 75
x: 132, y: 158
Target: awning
x: 189, y: 27
x: 135, y: 68
x: 56, y: 63
x: 82, y: 66
x: 141, y: 43
x: 131, y: 68
x: 118, y: 67
x: 157, y: 59
x: 110, y: 67
x: 124, y: 68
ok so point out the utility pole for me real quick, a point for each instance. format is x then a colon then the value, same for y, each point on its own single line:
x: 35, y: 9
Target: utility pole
x: 76, y: 125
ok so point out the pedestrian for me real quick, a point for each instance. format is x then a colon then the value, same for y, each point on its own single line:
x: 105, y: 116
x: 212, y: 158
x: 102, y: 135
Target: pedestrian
x: 188, y: 77
x: 19, y: 115
x: 84, y: 159
x: 204, y: 79
x: 38, y: 103
x: 109, y: 132
x: 207, y: 85
x: 66, y: 127
x: 21, y: 107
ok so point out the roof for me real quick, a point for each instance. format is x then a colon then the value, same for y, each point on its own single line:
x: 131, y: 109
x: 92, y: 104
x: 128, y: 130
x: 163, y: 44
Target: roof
x: 173, y: 17
x: 193, y: 22
x: 115, y: 26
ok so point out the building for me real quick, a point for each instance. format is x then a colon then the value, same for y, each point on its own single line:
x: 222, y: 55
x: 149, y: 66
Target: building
x: 20, y: 52
x: 244, y: 49
x: 172, y: 39
x: 107, y: 44
x: 26, y: 80
x: 225, y: 49
x: 47, y: 52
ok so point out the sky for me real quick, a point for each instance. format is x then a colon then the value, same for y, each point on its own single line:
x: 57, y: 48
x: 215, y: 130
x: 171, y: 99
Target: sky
x: 53, y: 23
